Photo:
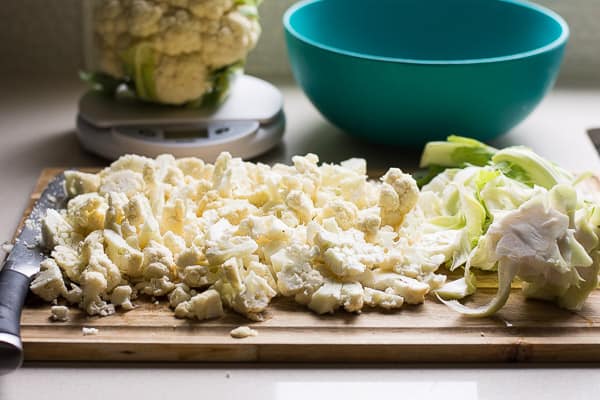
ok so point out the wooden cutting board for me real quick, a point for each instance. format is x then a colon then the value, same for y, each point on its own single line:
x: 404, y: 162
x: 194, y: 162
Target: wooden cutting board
x: 524, y: 331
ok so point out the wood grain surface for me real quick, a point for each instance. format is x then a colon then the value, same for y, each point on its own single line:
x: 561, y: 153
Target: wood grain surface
x: 523, y: 331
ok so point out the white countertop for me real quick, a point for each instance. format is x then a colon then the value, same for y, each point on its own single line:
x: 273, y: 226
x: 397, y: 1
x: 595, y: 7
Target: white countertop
x: 36, y: 131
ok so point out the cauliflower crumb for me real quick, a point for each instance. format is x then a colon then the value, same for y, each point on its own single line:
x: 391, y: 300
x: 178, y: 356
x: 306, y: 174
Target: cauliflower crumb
x: 89, y: 331
x: 7, y: 247
x: 242, y: 332
x: 59, y: 313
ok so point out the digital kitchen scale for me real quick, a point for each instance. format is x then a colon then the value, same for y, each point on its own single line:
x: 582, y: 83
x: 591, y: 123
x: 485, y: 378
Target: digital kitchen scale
x: 250, y: 122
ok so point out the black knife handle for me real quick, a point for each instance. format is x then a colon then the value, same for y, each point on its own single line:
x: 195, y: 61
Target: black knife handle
x: 13, y: 290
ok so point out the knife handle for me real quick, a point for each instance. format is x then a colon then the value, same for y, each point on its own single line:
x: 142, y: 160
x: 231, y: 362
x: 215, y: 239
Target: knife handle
x: 13, y: 290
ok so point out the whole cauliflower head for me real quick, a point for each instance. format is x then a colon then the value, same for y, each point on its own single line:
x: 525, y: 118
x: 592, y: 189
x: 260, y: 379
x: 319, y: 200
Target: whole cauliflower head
x: 175, y: 51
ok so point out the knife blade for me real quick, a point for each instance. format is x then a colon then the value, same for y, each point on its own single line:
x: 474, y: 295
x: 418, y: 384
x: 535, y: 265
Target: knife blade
x: 19, y: 268
x: 594, y: 135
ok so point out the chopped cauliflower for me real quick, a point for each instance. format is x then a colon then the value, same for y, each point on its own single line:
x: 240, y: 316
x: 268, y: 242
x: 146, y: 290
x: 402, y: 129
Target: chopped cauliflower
x: 121, y: 297
x: 206, y: 305
x: 56, y: 230
x: 77, y: 182
x: 59, y: 313
x: 89, y: 331
x: 242, y: 332
x: 48, y: 283
x: 235, y: 234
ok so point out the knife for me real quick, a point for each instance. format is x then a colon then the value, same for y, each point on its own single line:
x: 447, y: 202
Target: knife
x: 21, y: 265
x: 594, y: 135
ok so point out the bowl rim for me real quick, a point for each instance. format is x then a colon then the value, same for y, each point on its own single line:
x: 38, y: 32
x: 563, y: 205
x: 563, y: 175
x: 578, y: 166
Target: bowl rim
x: 558, y: 42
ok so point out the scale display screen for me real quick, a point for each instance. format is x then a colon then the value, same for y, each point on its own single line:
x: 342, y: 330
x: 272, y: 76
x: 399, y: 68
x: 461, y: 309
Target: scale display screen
x: 182, y: 134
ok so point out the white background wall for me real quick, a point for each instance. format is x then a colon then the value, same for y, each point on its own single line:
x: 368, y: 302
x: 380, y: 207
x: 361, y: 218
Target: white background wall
x: 44, y: 38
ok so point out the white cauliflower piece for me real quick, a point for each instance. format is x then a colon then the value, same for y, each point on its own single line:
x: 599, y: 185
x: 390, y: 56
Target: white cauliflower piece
x: 197, y: 276
x: 59, y: 313
x: 327, y: 298
x: 173, y: 217
x: 264, y: 229
x: 249, y: 295
x: 242, y: 332
x: 57, y: 231
x: 93, y: 285
x: 48, y: 283
x: 296, y: 276
x: 121, y: 297
x: 139, y: 214
x: 398, y: 195
x: 69, y: 261
x: 180, y: 293
x: 123, y: 181
x: 378, y: 298
x: 237, y: 246
x: 128, y: 259
x: 74, y: 295
x: 412, y: 290
x: 174, y: 243
x: 86, y: 212
x: 96, y: 260
x: 206, y: 305
x: 77, y: 183
x: 115, y: 213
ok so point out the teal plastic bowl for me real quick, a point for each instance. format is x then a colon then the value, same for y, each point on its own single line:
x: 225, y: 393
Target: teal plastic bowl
x: 410, y: 71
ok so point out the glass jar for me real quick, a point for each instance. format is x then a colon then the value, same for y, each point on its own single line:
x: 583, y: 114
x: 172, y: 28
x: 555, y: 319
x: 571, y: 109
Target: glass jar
x: 176, y: 52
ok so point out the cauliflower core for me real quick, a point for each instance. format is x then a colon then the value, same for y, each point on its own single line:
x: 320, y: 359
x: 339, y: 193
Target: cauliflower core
x: 232, y: 235
x: 174, y: 51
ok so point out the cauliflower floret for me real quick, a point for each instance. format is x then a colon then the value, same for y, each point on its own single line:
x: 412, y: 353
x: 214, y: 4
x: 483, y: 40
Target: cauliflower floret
x: 181, y: 78
x: 93, y: 285
x: 77, y: 183
x: 173, y: 217
x: 197, y: 276
x: 344, y: 213
x: 48, y: 283
x: 264, y: 229
x: 68, y: 260
x: 157, y: 258
x: 378, y: 298
x: 123, y: 181
x: 206, y: 305
x: 412, y: 290
x: 295, y: 273
x: 174, y: 243
x: 115, y: 213
x: 156, y: 286
x: 121, y: 296
x: 399, y: 194
x: 248, y: 295
x: 237, y: 246
x: 74, y: 295
x: 96, y: 260
x: 128, y: 259
x: 56, y: 230
x: 86, y: 212
x: 352, y: 297
x: 139, y: 214
x: 180, y: 293
x: 327, y: 298
x: 300, y: 203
